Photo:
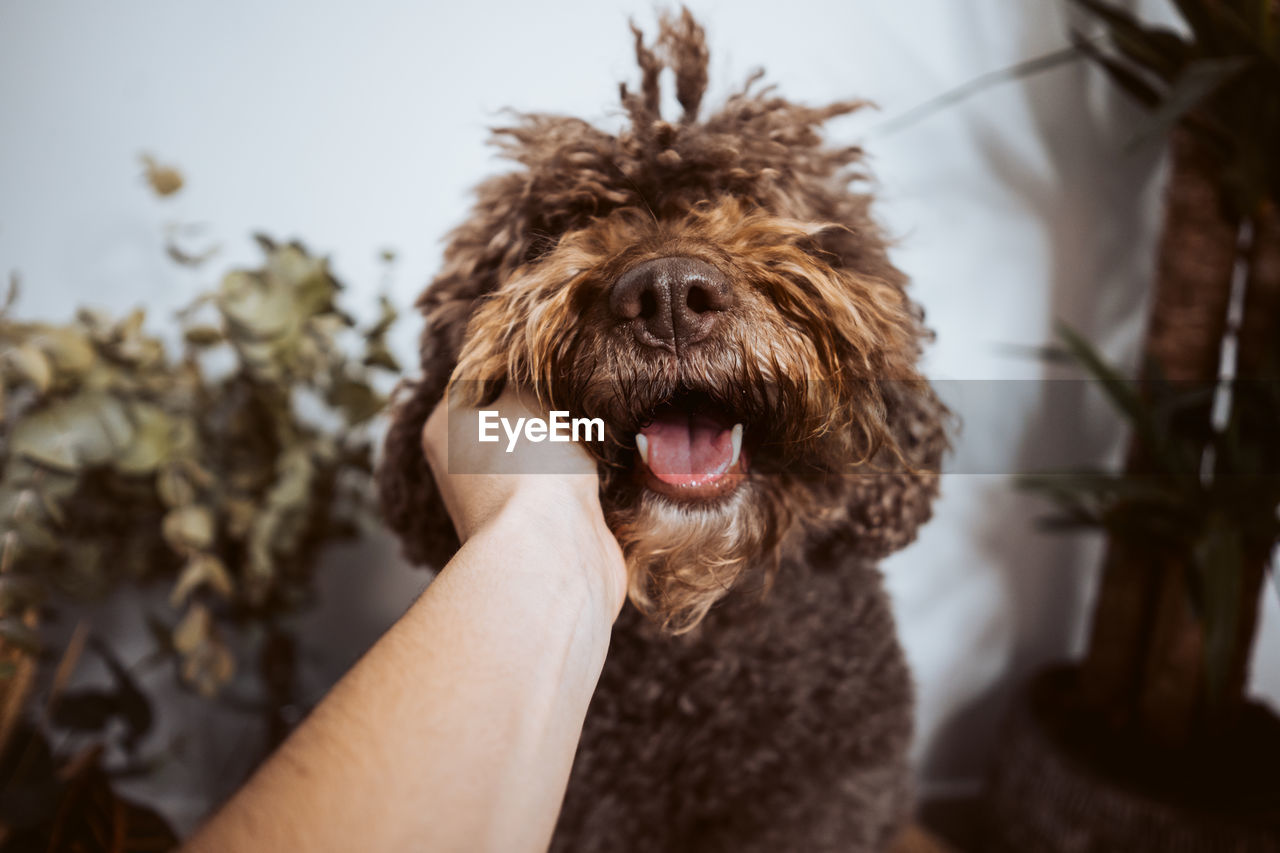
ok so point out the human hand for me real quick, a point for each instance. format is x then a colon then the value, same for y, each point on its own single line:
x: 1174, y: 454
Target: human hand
x: 552, y: 486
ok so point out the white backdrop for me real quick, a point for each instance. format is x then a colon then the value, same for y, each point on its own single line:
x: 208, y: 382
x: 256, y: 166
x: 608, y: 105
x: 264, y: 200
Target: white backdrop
x: 361, y: 126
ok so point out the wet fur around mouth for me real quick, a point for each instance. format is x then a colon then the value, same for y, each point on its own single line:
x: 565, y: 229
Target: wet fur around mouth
x: 755, y: 696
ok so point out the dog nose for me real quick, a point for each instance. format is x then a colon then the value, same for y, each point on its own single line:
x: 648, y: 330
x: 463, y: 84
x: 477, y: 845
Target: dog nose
x: 671, y: 302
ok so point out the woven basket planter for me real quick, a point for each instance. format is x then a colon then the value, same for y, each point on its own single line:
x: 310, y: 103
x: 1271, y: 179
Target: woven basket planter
x: 1051, y: 793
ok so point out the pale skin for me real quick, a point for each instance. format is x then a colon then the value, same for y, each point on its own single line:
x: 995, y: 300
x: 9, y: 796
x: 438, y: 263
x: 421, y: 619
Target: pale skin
x: 456, y: 731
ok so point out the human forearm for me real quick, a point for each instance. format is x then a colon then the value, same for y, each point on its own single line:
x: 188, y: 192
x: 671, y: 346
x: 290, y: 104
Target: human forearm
x: 457, y: 730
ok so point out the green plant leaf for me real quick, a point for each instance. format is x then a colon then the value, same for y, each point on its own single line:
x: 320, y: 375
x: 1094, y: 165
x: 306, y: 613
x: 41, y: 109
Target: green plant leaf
x: 1199, y: 18
x: 1199, y: 81
x: 1156, y: 50
x: 1021, y: 70
x: 1120, y: 73
x: 1119, y: 390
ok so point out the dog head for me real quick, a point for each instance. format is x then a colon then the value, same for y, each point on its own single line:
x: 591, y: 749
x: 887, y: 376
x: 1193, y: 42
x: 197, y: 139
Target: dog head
x: 718, y: 294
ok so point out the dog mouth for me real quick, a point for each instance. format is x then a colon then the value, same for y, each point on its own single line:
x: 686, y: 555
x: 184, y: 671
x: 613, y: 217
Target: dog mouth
x: 691, y: 450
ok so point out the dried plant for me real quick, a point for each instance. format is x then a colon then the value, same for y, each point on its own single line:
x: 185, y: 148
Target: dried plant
x: 122, y: 462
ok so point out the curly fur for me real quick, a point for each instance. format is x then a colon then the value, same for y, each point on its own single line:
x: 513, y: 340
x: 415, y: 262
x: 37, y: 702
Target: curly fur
x: 779, y: 716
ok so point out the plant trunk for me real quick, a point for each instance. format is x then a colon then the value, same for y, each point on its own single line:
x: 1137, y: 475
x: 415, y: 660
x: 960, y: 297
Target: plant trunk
x: 1144, y: 671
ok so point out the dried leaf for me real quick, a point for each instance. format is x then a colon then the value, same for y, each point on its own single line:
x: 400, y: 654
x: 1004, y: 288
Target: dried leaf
x: 68, y: 349
x: 203, y: 336
x: 173, y: 487
x: 198, y: 474
x: 156, y: 438
x: 49, y: 501
x: 240, y: 515
x: 193, y: 630
x: 387, y: 315
x: 189, y: 528
x: 131, y: 325
x: 164, y: 180
x: 357, y: 400
x: 279, y: 522
x: 75, y: 432
x: 32, y: 365
x: 181, y: 256
x: 255, y: 308
x: 209, y: 669
x: 377, y: 355
x: 201, y: 570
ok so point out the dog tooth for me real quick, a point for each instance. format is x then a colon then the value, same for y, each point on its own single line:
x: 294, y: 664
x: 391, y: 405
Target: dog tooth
x: 737, y: 444
x: 642, y: 445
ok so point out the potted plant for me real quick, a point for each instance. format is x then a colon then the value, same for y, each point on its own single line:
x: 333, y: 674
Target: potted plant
x: 1150, y: 742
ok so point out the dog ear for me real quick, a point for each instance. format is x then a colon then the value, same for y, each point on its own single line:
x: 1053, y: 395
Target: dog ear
x: 410, y: 501
x: 885, y: 507
x: 479, y: 256
x: 517, y: 217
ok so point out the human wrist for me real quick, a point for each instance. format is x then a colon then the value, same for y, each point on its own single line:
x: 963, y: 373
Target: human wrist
x: 566, y: 521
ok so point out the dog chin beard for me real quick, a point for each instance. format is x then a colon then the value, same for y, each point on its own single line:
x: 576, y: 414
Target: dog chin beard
x: 682, y: 558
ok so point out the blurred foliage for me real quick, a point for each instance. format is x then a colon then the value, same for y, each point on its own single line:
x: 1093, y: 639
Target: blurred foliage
x: 1210, y: 494
x: 123, y: 462
x: 1222, y: 79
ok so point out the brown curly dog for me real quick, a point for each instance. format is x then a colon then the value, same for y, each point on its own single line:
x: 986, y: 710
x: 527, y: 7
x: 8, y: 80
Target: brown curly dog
x: 718, y: 294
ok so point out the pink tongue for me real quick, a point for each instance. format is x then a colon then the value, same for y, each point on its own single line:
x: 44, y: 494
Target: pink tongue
x: 688, y: 449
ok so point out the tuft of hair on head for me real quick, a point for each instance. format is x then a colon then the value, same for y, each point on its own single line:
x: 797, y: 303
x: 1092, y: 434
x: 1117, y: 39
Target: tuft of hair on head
x: 681, y: 46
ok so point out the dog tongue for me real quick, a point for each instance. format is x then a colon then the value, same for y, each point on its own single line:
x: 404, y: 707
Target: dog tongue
x: 687, y: 448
